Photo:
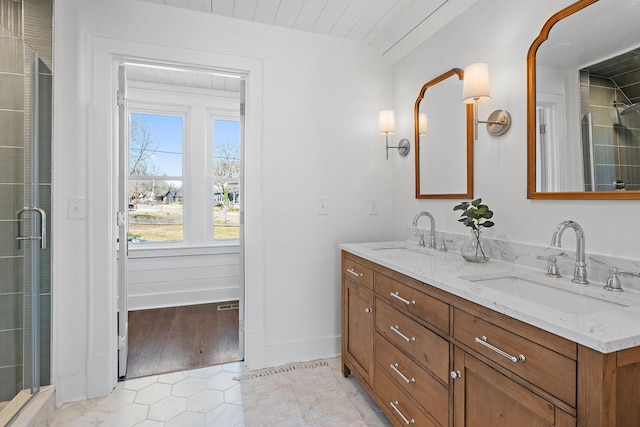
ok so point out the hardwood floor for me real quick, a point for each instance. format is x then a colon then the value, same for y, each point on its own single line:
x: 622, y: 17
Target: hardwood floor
x: 179, y: 338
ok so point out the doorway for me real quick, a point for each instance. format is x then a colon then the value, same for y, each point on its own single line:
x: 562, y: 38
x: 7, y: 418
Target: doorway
x: 180, y: 194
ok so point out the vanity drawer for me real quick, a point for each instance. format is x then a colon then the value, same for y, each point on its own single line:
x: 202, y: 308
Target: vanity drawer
x: 413, y: 380
x: 403, y: 410
x: 357, y: 272
x: 551, y: 371
x: 409, y: 300
x: 424, y: 346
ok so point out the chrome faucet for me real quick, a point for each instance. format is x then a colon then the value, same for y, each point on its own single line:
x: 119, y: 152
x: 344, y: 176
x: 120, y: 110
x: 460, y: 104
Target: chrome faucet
x: 580, y: 272
x: 432, y: 236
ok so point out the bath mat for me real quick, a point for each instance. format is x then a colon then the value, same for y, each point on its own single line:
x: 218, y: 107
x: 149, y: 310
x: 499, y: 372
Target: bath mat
x: 295, y: 395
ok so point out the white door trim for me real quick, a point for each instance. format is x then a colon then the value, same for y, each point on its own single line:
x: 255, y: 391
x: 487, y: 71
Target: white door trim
x: 102, y: 207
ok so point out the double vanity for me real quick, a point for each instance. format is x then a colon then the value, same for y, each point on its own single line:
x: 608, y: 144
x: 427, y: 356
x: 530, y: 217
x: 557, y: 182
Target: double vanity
x: 438, y: 341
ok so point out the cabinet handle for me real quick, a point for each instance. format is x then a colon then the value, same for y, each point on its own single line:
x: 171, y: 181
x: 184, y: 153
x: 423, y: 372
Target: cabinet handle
x: 352, y: 271
x: 483, y: 341
x: 367, y: 310
x: 394, y: 366
x: 395, y: 408
x: 397, y: 296
x: 456, y: 374
x: 406, y: 338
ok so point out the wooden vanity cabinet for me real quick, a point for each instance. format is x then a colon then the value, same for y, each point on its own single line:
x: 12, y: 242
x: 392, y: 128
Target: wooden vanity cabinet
x: 415, y: 349
x: 485, y: 397
x: 357, y: 320
x: 397, y: 350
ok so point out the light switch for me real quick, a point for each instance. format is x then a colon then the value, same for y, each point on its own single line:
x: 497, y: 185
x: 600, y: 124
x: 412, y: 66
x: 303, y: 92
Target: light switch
x: 323, y: 206
x: 373, y: 206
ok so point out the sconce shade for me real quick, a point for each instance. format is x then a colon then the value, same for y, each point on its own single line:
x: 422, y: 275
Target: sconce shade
x: 386, y: 122
x: 422, y: 123
x: 475, y: 86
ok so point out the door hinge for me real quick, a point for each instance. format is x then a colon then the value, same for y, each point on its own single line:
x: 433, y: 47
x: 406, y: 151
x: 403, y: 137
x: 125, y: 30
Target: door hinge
x: 543, y: 129
x: 122, y: 98
x: 121, y: 219
x: 122, y: 342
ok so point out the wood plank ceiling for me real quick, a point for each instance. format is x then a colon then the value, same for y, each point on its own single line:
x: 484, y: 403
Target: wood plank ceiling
x: 392, y: 27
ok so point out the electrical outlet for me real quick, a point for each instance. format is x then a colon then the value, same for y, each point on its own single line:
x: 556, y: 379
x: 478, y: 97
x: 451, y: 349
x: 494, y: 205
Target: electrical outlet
x: 323, y: 206
x: 373, y: 206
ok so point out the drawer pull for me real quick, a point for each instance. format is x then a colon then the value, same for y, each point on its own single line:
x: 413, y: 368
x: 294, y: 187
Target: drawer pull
x: 397, y: 296
x: 394, y: 405
x: 367, y: 310
x: 352, y: 271
x: 514, y: 359
x: 456, y: 374
x: 394, y: 366
x: 406, y: 338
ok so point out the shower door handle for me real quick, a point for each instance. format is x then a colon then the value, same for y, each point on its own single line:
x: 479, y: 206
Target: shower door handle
x: 43, y: 226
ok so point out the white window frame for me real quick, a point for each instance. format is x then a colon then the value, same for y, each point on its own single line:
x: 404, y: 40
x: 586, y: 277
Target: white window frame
x: 199, y: 106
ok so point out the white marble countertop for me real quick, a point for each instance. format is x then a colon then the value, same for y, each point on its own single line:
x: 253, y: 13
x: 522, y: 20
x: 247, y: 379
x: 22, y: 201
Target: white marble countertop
x: 587, y: 314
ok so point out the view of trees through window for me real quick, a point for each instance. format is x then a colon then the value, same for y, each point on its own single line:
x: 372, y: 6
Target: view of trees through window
x: 226, y: 179
x: 156, y: 178
x: 156, y: 197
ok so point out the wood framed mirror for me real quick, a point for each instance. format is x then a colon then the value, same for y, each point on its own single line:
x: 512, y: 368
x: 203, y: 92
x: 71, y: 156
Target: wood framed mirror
x: 443, y: 136
x: 583, y: 87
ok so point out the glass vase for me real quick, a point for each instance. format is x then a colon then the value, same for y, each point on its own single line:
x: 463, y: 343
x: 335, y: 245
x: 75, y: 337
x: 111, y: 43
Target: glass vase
x: 476, y: 248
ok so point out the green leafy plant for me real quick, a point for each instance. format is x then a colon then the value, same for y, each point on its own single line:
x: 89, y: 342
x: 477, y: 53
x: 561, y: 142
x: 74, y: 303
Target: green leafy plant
x: 475, y: 214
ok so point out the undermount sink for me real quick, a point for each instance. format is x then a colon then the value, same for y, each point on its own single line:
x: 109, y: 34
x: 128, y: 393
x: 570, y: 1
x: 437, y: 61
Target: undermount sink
x: 401, y: 247
x: 545, y: 294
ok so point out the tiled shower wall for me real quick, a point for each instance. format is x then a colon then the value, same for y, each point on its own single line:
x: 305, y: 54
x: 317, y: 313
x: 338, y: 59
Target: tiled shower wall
x: 616, y: 138
x: 23, y: 24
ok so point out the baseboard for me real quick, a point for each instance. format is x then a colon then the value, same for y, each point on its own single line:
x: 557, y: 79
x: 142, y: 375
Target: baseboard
x: 303, y: 350
x: 173, y: 299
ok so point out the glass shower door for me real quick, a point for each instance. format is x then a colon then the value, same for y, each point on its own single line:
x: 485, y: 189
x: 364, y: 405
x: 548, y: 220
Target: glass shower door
x: 25, y: 189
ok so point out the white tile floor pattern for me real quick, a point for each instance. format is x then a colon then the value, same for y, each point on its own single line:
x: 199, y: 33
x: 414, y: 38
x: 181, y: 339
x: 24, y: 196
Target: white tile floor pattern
x: 207, y: 397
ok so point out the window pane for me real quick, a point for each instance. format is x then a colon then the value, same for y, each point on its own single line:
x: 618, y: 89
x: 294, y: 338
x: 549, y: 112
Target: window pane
x: 226, y: 210
x: 226, y: 184
x: 155, y: 210
x: 155, y: 145
x: 226, y: 148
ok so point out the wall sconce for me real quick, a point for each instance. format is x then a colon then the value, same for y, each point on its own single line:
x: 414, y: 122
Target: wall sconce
x: 387, y: 125
x: 422, y: 123
x: 475, y: 89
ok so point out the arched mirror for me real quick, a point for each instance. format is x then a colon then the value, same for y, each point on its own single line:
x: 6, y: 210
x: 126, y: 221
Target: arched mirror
x: 583, y: 103
x: 443, y: 139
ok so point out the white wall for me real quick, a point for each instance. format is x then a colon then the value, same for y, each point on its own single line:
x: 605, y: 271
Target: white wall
x: 500, y: 33
x: 318, y: 104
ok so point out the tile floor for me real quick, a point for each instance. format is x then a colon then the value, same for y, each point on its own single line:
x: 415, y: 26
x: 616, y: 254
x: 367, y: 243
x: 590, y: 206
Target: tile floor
x: 205, y: 397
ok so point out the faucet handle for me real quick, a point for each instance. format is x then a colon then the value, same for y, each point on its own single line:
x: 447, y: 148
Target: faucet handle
x: 613, y: 282
x: 552, y: 266
x: 419, y: 234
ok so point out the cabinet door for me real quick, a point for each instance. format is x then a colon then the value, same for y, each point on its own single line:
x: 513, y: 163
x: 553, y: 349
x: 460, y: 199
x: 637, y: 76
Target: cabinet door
x: 358, y: 320
x: 485, y: 397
